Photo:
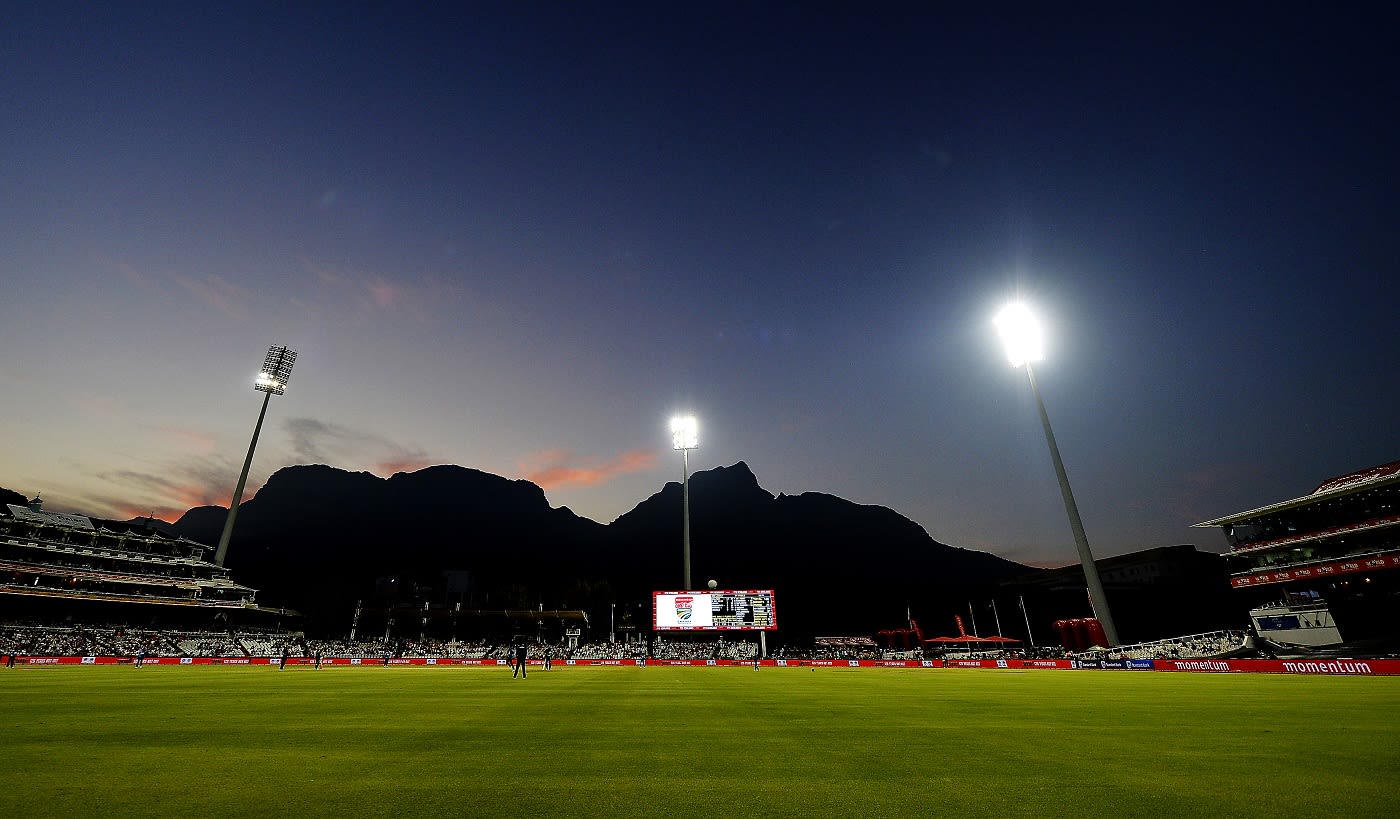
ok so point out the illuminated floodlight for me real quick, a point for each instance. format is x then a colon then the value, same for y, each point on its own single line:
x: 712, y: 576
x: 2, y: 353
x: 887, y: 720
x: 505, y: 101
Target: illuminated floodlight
x: 1020, y: 334
x: 685, y: 432
x: 276, y: 371
x: 685, y: 436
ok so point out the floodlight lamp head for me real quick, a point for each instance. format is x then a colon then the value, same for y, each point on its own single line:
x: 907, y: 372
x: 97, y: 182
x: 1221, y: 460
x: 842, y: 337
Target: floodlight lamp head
x: 1020, y: 334
x: 685, y: 433
x: 276, y: 370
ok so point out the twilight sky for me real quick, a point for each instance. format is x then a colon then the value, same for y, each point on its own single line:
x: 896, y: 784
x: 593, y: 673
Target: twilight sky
x: 519, y: 237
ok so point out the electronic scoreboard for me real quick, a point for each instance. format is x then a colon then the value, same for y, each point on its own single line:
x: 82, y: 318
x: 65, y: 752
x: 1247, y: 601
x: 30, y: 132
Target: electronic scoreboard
x: 713, y: 610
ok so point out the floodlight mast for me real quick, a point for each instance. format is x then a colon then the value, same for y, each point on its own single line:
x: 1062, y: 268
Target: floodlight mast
x: 272, y: 380
x: 1021, y: 335
x: 685, y: 436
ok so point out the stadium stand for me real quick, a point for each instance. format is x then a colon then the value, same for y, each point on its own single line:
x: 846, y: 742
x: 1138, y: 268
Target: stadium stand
x: 116, y: 640
x: 73, y: 557
x: 1209, y: 644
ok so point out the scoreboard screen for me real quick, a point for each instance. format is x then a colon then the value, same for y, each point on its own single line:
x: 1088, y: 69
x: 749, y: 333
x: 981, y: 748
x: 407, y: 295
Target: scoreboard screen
x: 713, y: 610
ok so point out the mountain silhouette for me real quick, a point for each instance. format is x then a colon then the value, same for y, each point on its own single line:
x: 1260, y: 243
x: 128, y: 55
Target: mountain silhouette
x: 835, y: 566
x: 318, y: 539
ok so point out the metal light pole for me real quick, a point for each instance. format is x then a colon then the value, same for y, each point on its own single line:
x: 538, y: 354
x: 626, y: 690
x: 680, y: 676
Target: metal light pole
x: 685, y: 437
x: 1027, y: 615
x: 1021, y: 334
x: 276, y: 370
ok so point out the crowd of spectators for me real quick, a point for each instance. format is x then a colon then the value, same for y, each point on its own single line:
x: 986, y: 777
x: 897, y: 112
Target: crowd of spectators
x: 608, y: 651
x: 214, y: 645
x: 43, y: 640
x: 85, y: 641
x: 1210, y: 644
x: 720, y: 649
x: 847, y: 648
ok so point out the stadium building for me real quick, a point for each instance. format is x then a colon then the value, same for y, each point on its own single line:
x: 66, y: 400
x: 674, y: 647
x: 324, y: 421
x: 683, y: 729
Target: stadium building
x: 1154, y: 593
x: 71, y: 568
x: 1320, y: 570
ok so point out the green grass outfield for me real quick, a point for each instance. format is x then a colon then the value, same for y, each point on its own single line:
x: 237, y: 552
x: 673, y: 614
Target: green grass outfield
x: 200, y: 741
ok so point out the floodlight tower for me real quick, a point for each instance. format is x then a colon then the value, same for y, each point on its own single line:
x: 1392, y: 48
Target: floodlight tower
x: 1020, y: 333
x: 685, y: 436
x: 272, y: 380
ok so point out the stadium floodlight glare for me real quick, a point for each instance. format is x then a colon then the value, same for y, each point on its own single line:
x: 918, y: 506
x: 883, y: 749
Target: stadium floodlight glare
x: 685, y: 436
x: 272, y: 380
x: 685, y: 432
x: 276, y: 370
x: 1020, y: 333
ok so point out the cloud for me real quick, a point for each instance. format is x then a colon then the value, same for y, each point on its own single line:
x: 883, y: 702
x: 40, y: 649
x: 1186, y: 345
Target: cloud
x: 374, y: 294
x: 384, y: 293
x: 315, y: 441
x: 408, y: 462
x: 205, y: 478
x: 176, y: 488
x: 553, y: 468
x: 211, y: 290
x: 214, y: 291
x: 193, y: 440
x: 312, y: 440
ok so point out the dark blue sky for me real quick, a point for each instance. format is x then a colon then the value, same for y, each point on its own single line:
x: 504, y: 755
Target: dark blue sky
x: 519, y: 238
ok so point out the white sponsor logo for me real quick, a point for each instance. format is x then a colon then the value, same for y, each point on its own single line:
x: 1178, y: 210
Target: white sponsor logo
x: 1327, y: 667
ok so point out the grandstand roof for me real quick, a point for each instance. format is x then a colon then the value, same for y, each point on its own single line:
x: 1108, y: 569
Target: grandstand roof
x: 1336, y: 531
x: 1333, y: 488
x: 24, y: 513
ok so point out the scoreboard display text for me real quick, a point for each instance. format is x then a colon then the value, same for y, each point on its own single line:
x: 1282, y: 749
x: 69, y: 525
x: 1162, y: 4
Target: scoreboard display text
x: 713, y: 610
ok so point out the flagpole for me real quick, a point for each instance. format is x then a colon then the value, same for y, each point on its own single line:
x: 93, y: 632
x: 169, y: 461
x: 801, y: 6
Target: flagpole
x: 996, y: 615
x: 973, y: 615
x: 1027, y: 615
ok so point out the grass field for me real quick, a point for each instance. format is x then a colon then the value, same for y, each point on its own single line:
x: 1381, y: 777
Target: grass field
x: 191, y: 741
